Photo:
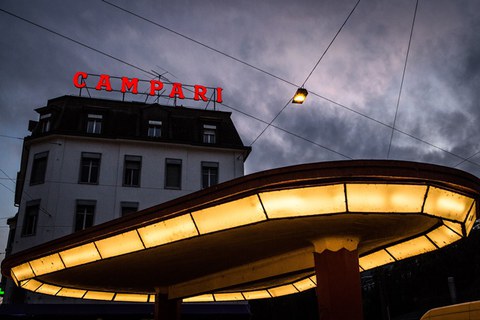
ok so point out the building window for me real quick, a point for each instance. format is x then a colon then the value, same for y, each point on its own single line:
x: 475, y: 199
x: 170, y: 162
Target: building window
x: 131, y: 172
x: 90, y: 167
x: 128, y: 207
x: 94, y: 123
x: 45, y: 122
x: 39, y: 168
x: 209, y: 174
x: 31, y: 217
x: 173, y: 173
x: 154, y: 129
x: 84, y: 214
x: 209, y: 133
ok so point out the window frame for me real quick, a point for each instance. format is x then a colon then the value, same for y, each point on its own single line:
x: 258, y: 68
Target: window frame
x: 209, y: 165
x: 35, y: 206
x: 131, y: 159
x: 171, y: 163
x: 45, y: 122
x: 209, y: 134
x: 97, y: 120
x: 156, y: 125
x: 85, y: 204
x: 130, y: 205
x: 39, y: 159
x: 91, y: 156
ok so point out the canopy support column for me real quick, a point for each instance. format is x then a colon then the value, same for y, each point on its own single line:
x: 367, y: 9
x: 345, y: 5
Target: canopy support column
x: 167, y: 309
x: 338, y: 289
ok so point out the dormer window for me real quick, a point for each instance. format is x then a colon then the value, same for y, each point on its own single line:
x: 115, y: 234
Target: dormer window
x: 209, y: 133
x: 94, y: 123
x: 45, y: 122
x: 154, y: 129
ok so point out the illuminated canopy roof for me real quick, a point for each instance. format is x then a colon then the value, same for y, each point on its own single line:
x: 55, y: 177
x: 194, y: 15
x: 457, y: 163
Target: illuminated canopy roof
x: 253, y: 237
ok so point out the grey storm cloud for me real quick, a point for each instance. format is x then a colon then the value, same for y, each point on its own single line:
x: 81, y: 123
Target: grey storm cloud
x: 437, y: 119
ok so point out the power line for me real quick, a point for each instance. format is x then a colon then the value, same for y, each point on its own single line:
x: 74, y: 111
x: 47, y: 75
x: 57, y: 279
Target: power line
x: 403, y: 78
x: 10, y: 137
x: 199, y: 43
x: 289, y: 132
x: 330, y: 44
x: 311, y: 72
x: 76, y: 41
x: 256, y: 68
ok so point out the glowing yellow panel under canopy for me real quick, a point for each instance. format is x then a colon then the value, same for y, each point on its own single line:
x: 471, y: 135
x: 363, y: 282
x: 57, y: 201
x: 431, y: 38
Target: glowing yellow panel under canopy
x: 229, y: 215
x: 304, y: 201
x: 259, y: 294
x: 47, y: 264
x: 80, y: 255
x: 443, y: 236
x: 48, y: 289
x: 31, y: 284
x: 469, y: 222
x: 375, y: 259
x: 200, y: 298
x: 168, y: 231
x: 305, y: 284
x: 235, y: 296
x: 385, y: 197
x: 131, y: 297
x: 411, y: 248
x: 282, y: 290
x: 72, y: 293
x: 120, y: 244
x: 447, y: 204
x: 23, y: 271
x: 99, y: 295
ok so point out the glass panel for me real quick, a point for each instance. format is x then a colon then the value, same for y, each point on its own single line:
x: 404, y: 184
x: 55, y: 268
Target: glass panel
x: 385, y: 198
x: 120, y: 244
x: 259, y: 294
x: 80, y: 255
x: 47, y: 264
x: 470, y: 221
x: 447, y: 204
x: 48, y: 289
x: 282, y: 290
x: 443, y: 236
x: 229, y: 215
x: 457, y: 227
x: 375, y: 259
x: 130, y: 297
x: 304, y: 201
x: 236, y: 296
x: 168, y: 231
x: 73, y: 293
x: 201, y: 298
x: 173, y: 174
x: 31, y: 285
x: 411, y: 248
x: 23, y: 271
x: 305, y: 284
x: 99, y: 295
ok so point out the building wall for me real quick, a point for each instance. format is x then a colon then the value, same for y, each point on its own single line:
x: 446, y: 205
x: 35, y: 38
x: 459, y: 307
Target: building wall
x: 61, y: 189
x: 62, y: 130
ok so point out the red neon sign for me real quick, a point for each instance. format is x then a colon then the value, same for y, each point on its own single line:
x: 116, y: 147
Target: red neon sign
x: 131, y: 85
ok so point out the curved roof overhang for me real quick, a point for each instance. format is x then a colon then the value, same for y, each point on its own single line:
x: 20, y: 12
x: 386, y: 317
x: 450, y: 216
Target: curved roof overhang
x: 253, y: 237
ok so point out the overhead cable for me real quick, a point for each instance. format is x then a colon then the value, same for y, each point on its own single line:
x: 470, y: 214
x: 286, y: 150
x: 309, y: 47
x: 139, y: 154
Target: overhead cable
x: 403, y: 78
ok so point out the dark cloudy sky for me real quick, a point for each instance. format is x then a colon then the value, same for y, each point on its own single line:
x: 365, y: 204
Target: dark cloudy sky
x: 359, y: 76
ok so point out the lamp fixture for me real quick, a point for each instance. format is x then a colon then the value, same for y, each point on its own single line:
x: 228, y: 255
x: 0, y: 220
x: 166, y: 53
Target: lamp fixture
x: 300, y: 96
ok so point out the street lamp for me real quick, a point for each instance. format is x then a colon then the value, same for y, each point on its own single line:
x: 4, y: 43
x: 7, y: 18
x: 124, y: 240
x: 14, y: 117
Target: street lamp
x: 300, y: 96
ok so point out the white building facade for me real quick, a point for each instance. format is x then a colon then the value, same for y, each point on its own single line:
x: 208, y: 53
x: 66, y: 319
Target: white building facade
x: 89, y: 161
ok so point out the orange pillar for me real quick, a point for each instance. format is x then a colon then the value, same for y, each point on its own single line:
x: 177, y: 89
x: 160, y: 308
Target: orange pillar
x: 338, y: 285
x: 166, y: 309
